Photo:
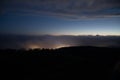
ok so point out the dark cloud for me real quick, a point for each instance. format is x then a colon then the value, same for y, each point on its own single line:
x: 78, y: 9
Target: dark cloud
x: 46, y: 41
x: 70, y: 8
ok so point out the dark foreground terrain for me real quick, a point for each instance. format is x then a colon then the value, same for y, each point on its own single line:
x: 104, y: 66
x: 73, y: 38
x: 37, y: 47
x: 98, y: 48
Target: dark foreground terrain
x: 82, y: 63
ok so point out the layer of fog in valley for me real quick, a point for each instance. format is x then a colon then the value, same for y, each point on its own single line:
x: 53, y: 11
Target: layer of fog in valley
x: 49, y: 41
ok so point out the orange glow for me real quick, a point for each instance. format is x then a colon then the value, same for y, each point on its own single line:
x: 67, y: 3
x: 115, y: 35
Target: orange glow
x: 33, y: 46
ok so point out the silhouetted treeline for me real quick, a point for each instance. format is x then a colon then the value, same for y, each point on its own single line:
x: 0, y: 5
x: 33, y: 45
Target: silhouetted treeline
x: 82, y: 63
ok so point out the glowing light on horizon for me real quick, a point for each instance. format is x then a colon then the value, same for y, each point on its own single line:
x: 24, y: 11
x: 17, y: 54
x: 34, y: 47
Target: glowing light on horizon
x: 33, y: 46
x: 61, y: 45
x: 37, y: 46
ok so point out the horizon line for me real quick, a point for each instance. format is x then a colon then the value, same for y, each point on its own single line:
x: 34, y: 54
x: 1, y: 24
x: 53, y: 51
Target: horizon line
x: 58, y: 34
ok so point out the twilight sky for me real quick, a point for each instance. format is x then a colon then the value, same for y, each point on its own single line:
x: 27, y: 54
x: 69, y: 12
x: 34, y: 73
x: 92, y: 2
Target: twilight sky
x: 60, y: 17
x: 59, y: 23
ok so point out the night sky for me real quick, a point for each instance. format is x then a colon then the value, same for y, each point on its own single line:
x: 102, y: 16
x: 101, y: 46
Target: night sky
x: 60, y: 17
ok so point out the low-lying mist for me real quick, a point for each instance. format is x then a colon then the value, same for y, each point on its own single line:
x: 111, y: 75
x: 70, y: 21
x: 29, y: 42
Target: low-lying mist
x: 49, y: 41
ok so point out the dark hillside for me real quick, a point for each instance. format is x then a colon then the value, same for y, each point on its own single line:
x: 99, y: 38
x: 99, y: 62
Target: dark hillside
x: 82, y: 63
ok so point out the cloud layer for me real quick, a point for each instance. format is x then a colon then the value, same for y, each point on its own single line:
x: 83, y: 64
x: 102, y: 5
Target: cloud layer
x: 46, y: 41
x: 69, y: 8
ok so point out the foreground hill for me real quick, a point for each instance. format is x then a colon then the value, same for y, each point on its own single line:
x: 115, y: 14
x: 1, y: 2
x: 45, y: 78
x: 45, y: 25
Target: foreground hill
x: 82, y: 63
